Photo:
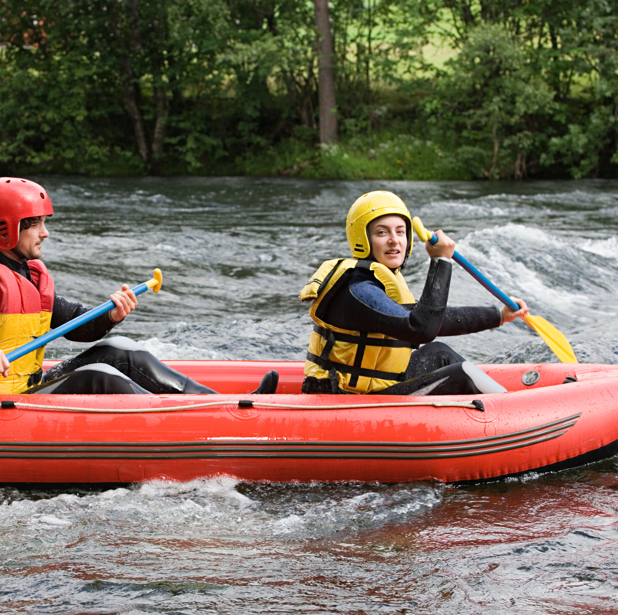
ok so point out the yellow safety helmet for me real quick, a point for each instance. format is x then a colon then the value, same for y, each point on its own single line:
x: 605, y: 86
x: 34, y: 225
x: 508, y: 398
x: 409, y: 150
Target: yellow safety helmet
x: 366, y: 209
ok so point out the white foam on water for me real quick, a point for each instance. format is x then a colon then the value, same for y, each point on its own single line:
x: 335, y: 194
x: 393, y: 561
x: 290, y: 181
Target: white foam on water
x: 48, y: 520
x: 358, y: 512
x: 533, y: 286
x: 607, y: 248
x: 462, y: 208
x: 170, y: 351
x: 215, y: 494
x: 114, y: 494
x: 522, y: 235
x: 507, y: 272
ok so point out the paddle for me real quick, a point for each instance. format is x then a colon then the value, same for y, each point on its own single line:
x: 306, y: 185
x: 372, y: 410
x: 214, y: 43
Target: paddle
x: 154, y: 283
x: 551, y: 336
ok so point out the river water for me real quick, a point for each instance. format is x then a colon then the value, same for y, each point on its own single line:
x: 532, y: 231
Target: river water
x: 234, y: 255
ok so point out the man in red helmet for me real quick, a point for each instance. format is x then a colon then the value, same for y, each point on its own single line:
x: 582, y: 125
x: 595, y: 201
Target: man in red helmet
x: 29, y: 308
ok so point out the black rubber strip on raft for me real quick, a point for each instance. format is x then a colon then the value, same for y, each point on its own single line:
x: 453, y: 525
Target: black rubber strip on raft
x: 281, y: 452
x: 514, y: 436
x: 604, y: 452
x: 598, y: 454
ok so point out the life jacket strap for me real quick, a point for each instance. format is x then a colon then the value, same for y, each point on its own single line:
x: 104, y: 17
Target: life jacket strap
x: 361, y: 341
x: 329, y: 276
x: 355, y: 370
x: 35, y: 378
x: 324, y: 362
x: 357, y: 339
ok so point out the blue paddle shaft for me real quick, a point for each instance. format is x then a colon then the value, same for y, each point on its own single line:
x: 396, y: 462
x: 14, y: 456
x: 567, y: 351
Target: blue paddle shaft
x: 68, y: 326
x: 479, y: 277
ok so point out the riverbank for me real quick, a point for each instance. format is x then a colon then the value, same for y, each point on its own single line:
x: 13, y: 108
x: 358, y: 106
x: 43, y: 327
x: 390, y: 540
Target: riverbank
x: 444, y: 91
x: 382, y: 155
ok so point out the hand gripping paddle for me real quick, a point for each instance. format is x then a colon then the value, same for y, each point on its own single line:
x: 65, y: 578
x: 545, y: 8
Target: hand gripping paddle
x: 557, y: 342
x: 154, y: 283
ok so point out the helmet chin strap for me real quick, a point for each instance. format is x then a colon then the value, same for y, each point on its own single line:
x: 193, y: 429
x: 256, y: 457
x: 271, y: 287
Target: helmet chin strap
x: 24, y: 262
x: 409, y: 236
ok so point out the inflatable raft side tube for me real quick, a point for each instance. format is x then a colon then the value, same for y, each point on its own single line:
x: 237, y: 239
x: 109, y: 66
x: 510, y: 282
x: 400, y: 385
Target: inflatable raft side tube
x: 599, y: 454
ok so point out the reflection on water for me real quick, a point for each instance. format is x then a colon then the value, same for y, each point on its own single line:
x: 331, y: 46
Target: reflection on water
x: 234, y: 255
x: 542, y: 545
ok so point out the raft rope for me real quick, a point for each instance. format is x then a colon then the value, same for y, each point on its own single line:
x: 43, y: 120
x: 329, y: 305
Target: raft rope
x: 245, y: 403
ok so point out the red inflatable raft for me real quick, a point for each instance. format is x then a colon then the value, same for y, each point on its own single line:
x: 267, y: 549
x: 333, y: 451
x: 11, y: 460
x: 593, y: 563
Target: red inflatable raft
x: 543, y: 423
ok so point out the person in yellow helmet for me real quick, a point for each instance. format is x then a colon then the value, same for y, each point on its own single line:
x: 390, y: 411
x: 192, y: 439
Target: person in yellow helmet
x: 370, y: 335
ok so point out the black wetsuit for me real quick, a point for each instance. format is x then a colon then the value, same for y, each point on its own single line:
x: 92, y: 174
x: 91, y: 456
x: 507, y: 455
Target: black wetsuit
x: 117, y: 365
x: 362, y: 305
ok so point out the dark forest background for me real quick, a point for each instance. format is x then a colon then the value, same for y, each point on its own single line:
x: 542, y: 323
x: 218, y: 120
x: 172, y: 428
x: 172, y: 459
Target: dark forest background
x: 438, y: 89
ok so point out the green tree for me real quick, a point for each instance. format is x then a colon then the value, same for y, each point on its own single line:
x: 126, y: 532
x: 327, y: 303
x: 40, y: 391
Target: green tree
x: 492, y: 103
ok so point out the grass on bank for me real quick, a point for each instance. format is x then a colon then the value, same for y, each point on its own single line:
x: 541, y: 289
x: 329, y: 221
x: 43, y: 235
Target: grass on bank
x: 375, y: 156
x: 369, y: 157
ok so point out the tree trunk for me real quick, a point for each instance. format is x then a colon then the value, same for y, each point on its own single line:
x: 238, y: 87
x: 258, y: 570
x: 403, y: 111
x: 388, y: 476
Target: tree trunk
x: 494, y: 133
x: 326, y: 74
x: 162, y: 106
x: 129, y: 91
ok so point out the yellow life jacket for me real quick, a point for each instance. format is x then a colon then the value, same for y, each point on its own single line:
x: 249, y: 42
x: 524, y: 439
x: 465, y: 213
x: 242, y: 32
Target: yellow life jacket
x: 355, y: 361
x: 25, y: 313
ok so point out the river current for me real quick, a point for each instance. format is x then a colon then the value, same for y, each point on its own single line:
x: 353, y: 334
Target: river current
x: 234, y: 255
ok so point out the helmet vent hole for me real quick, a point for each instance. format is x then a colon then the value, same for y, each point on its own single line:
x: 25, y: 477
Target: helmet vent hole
x: 23, y: 181
x: 8, y: 181
x: 42, y: 196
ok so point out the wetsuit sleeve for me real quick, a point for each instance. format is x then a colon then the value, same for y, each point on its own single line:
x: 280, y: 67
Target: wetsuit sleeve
x: 427, y: 315
x: 89, y: 332
x: 462, y: 320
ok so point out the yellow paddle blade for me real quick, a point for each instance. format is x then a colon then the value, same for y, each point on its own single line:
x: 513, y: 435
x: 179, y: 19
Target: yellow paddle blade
x: 553, y: 338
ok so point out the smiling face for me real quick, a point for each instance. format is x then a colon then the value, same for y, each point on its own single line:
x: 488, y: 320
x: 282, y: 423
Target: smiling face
x: 389, y: 240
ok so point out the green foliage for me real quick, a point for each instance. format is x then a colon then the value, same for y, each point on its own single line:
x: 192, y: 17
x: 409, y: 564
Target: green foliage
x: 386, y: 157
x: 383, y: 155
x: 490, y: 104
x: 230, y: 86
x: 534, y: 88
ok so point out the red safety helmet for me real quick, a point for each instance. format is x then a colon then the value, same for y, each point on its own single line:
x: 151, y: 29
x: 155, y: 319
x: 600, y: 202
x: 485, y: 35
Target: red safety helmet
x: 19, y: 199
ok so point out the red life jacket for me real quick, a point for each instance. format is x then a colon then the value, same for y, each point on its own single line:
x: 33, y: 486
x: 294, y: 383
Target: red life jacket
x: 25, y: 313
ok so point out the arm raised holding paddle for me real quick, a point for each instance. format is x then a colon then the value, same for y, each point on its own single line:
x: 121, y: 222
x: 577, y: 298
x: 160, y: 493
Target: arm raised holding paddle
x: 556, y: 341
x: 441, y: 245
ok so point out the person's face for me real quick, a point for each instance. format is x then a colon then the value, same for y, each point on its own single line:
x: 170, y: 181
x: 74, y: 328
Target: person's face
x: 30, y: 239
x: 388, y: 239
